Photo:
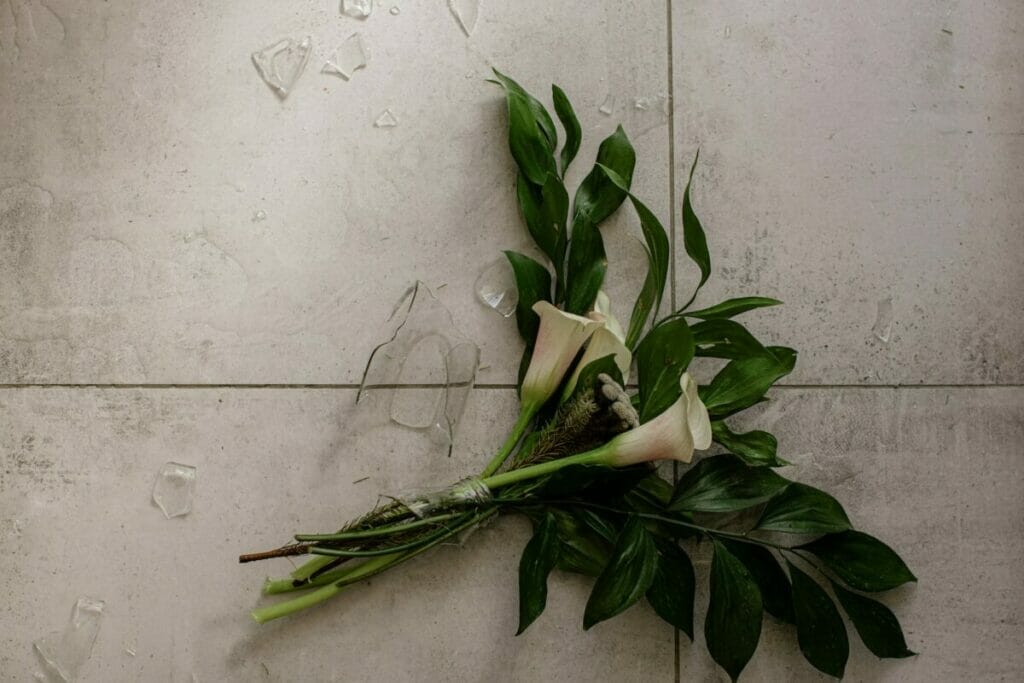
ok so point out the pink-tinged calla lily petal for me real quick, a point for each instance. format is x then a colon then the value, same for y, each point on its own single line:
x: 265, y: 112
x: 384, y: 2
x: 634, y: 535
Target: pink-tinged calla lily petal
x: 672, y: 435
x: 603, y: 312
x: 559, y: 339
x: 602, y: 343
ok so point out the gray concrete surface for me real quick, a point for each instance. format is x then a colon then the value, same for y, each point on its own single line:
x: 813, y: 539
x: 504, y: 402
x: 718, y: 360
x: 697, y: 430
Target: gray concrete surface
x: 851, y: 155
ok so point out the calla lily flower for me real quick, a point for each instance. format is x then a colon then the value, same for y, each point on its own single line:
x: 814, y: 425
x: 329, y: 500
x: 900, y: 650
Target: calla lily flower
x: 559, y: 339
x: 606, y: 340
x: 672, y: 435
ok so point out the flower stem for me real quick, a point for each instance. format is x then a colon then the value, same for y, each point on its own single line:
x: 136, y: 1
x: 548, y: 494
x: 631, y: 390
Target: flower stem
x: 377, y: 531
x: 526, y: 414
x: 598, y: 456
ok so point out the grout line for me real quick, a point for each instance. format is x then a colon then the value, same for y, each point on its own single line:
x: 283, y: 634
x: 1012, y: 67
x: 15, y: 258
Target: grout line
x: 672, y: 248
x: 797, y: 387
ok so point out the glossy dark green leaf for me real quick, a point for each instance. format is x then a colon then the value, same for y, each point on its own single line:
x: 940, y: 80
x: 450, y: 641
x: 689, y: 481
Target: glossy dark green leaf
x: 545, y: 211
x: 539, y: 557
x: 731, y: 307
x: 661, y: 359
x: 733, y: 623
x: 819, y: 627
x: 573, y: 132
x: 534, y: 284
x: 626, y: 578
x: 597, y: 196
x: 802, y: 509
x: 725, y: 339
x: 656, y: 240
x: 593, y: 482
x: 776, y: 593
x: 671, y: 593
x: 581, y: 550
x: 539, y: 112
x: 861, y: 561
x: 528, y: 133
x: 876, y: 625
x: 724, y: 483
x: 585, y: 268
x: 694, y: 240
x: 756, y: 448
x: 744, y: 381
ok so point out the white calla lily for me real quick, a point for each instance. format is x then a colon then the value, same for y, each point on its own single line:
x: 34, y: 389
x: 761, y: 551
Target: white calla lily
x: 607, y: 340
x: 559, y: 339
x: 672, y: 435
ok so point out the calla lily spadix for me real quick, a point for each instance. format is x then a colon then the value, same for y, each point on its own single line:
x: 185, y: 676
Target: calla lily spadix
x: 559, y: 339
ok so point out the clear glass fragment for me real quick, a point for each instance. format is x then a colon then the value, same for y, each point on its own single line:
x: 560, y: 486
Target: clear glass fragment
x: 260, y: 215
x: 281, y: 64
x: 64, y: 652
x: 385, y: 120
x: 608, y: 106
x: 496, y: 287
x: 348, y: 58
x: 430, y: 359
x: 360, y: 9
x: 174, y: 488
x: 396, y: 10
x: 882, y: 328
x: 466, y: 12
x: 642, y: 103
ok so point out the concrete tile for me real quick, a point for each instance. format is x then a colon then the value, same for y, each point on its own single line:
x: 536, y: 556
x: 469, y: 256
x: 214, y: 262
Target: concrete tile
x: 76, y: 519
x: 854, y: 154
x: 139, y: 145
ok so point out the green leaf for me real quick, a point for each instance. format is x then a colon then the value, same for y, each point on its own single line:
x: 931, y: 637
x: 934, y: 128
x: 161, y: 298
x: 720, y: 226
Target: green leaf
x: 819, y: 627
x: 876, y: 625
x: 597, y: 196
x: 661, y: 359
x: 694, y: 241
x: 540, y: 114
x: 725, y: 339
x: 861, y: 561
x: 671, y: 593
x: 776, y: 592
x: 581, y: 550
x: 539, y: 557
x: 534, y: 284
x: 756, y: 448
x: 733, y: 623
x: 802, y: 509
x: 731, y: 307
x: 573, y: 132
x: 656, y: 239
x: 744, y: 381
x: 626, y: 577
x: 724, y: 483
x: 585, y: 268
x: 545, y: 211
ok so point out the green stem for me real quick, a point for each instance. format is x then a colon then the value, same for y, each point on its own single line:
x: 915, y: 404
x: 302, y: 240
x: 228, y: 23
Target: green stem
x: 371, y: 533
x: 310, y: 567
x: 598, y: 456
x: 526, y: 414
x: 339, y: 552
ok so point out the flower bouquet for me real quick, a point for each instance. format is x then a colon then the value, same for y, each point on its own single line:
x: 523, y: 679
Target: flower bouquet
x: 580, y: 458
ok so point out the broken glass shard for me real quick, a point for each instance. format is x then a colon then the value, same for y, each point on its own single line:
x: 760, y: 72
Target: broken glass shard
x: 395, y: 10
x: 432, y: 362
x: 360, y: 9
x: 385, y: 120
x: 642, y: 103
x: 496, y: 287
x: 64, y: 652
x: 607, y: 106
x: 347, y: 59
x: 882, y: 328
x: 281, y: 64
x: 466, y: 13
x: 260, y: 215
x: 174, y: 488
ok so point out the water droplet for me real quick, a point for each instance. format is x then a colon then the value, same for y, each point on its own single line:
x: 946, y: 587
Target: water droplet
x: 281, y: 64
x: 385, y: 120
x: 496, y: 287
x: 360, y: 9
x: 347, y: 59
x: 608, y: 106
x: 260, y: 215
x: 466, y: 12
x: 174, y: 488
x: 882, y: 328
x: 395, y: 10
